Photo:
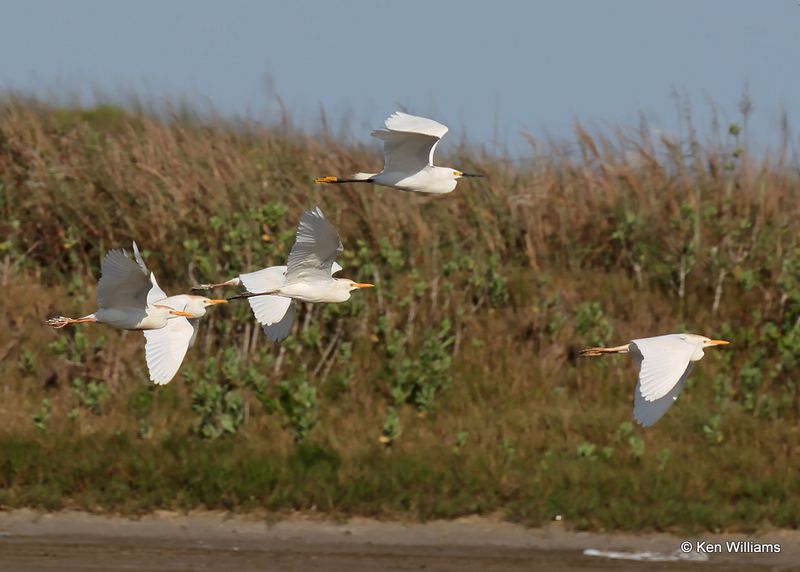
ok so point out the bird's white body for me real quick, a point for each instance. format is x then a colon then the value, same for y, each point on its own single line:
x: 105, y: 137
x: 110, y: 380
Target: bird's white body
x: 430, y: 179
x: 665, y: 363
x: 409, y: 142
x: 308, y: 277
x: 129, y: 298
x: 324, y: 291
x: 126, y: 318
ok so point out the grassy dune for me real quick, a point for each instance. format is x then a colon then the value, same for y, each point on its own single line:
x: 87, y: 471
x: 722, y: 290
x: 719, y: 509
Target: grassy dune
x: 451, y: 388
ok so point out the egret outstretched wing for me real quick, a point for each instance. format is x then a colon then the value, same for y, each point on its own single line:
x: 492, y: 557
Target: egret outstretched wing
x: 409, y: 142
x: 316, y: 246
x: 275, y: 314
x: 122, y: 283
x: 265, y: 279
x: 156, y: 293
x: 139, y: 260
x: 664, y: 361
x: 165, y: 349
x: 648, y: 412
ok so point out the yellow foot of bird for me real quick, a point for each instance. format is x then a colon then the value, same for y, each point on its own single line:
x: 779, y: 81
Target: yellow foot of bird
x: 58, y: 322
x: 321, y: 180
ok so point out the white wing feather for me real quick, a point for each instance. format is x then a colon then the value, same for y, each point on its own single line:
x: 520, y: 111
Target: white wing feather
x: 407, y: 123
x: 279, y: 330
x: 139, y: 260
x: 264, y: 280
x: 156, y: 293
x: 664, y: 361
x: 316, y: 245
x: 165, y: 349
x: 646, y: 412
x: 122, y: 282
x: 275, y: 314
x: 409, y: 142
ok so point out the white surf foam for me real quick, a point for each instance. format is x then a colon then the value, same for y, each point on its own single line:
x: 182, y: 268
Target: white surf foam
x: 647, y: 556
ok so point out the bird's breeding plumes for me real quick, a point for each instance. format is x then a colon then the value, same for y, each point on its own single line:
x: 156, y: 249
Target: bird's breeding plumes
x: 664, y: 364
x: 129, y: 298
x: 307, y: 277
x: 408, y: 145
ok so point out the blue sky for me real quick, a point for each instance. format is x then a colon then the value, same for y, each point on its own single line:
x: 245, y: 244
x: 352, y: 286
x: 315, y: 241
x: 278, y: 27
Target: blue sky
x: 487, y: 69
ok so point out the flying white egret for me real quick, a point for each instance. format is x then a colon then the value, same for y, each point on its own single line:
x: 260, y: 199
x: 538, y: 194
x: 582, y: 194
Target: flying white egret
x: 664, y: 364
x: 308, y: 277
x: 408, y: 145
x: 129, y: 298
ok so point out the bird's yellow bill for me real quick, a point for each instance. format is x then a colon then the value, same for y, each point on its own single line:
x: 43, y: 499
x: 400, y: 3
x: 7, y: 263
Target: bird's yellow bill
x: 719, y: 342
x: 178, y: 313
x: 218, y: 301
x: 321, y: 180
x: 364, y: 285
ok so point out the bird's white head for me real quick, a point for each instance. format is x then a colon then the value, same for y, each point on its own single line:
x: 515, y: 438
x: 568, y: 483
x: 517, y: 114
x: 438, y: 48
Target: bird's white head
x: 440, y: 180
x: 702, y: 342
x: 459, y: 174
x: 347, y: 285
x: 352, y: 285
x: 455, y: 174
x: 196, y: 305
x: 169, y: 312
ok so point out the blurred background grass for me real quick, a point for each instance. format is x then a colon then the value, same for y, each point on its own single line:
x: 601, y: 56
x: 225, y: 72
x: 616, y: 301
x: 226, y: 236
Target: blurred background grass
x: 453, y: 387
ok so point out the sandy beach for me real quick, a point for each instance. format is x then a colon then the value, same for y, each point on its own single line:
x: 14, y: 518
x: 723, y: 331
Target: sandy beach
x: 212, y: 541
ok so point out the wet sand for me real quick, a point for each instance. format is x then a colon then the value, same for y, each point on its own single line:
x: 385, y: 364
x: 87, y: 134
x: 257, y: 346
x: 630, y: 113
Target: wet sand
x: 211, y: 541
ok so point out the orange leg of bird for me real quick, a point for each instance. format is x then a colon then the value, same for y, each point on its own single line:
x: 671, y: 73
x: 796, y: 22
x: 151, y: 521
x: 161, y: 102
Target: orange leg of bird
x: 61, y: 321
x: 593, y: 352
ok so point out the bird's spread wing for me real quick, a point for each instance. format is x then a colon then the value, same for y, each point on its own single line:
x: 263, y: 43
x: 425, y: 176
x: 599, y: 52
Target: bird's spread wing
x: 275, y: 314
x: 335, y: 267
x: 122, y: 282
x: 165, y: 349
x: 139, y: 260
x: 664, y: 361
x: 316, y: 245
x: 279, y: 330
x: 265, y: 279
x: 409, y: 142
x: 156, y: 293
x: 404, y: 122
x: 648, y: 412
x: 195, y: 323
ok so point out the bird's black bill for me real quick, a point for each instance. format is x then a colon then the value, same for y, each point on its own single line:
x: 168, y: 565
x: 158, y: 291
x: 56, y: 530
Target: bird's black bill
x: 472, y: 175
